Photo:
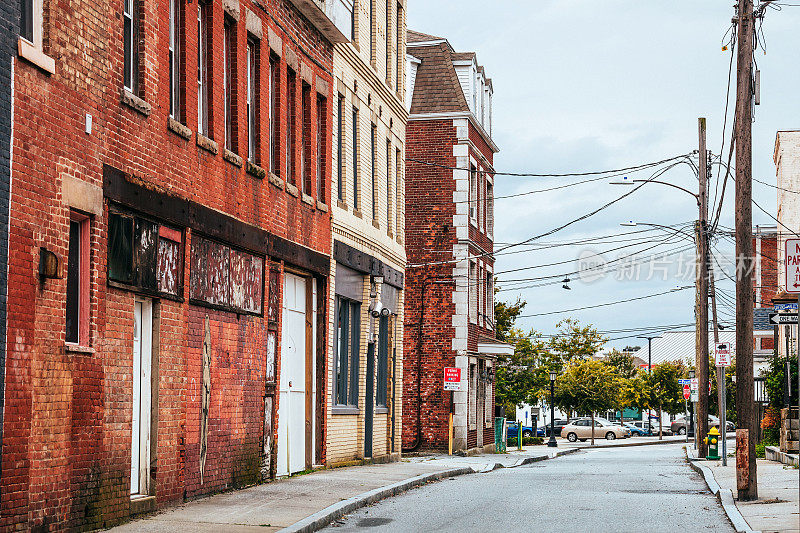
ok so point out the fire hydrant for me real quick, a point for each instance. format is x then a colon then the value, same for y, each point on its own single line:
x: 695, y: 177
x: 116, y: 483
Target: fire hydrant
x: 712, y: 441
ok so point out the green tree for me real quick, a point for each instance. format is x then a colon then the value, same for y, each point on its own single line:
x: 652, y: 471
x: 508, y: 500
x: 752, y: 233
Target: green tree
x: 521, y: 377
x: 622, y: 362
x: 574, y: 341
x: 666, y: 394
x: 635, y: 392
x: 505, y: 315
x: 589, y: 386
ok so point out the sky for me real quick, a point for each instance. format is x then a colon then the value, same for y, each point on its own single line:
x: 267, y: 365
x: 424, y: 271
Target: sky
x: 584, y: 86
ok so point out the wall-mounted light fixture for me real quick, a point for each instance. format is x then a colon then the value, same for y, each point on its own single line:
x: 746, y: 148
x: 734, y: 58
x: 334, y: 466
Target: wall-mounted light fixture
x: 48, y: 264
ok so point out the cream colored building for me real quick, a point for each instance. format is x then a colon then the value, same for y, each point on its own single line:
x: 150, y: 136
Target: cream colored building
x: 364, y: 415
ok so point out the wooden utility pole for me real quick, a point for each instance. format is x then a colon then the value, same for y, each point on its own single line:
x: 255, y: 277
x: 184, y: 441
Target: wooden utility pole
x: 701, y: 314
x: 747, y: 483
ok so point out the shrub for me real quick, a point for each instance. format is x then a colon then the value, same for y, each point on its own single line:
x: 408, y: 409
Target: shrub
x: 771, y: 426
x: 760, y: 449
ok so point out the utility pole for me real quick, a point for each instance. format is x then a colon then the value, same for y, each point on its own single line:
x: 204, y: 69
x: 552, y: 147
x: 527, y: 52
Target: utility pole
x: 721, y: 393
x: 747, y: 482
x: 649, y: 372
x: 701, y: 315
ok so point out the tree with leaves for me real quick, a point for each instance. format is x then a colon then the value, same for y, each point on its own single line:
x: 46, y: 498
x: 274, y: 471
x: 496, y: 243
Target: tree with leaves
x: 521, y: 376
x: 505, y: 315
x: 588, y: 386
x: 666, y: 394
x: 622, y: 362
x: 635, y: 392
x: 574, y: 341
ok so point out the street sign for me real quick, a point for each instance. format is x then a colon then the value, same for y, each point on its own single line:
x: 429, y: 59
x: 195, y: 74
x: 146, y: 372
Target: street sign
x: 785, y: 307
x: 452, y: 379
x: 722, y: 353
x: 786, y: 318
x: 694, y: 387
x: 684, y: 381
x: 687, y: 391
x: 792, y: 265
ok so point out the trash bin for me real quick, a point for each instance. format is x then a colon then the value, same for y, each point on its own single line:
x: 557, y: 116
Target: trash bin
x: 500, y: 434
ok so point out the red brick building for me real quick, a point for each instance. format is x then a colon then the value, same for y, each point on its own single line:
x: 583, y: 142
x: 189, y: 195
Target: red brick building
x: 169, y: 250
x: 449, y: 244
x: 765, y: 276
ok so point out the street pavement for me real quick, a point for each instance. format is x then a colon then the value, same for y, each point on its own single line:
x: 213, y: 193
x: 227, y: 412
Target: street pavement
x: 626, y: 489
x: 273, y: 506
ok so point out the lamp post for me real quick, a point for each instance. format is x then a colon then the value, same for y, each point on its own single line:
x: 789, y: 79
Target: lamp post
x: 552, y: 442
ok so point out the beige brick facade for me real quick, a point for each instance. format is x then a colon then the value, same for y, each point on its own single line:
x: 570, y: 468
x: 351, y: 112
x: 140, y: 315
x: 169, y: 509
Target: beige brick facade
x: 367, y: 203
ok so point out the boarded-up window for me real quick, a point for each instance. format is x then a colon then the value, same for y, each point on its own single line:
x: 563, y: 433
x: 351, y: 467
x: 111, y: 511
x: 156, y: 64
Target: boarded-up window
x: 224, y: 277
x: 144, y: 254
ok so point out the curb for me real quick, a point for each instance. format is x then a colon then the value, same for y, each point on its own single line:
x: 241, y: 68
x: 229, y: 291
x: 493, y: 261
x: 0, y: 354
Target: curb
x: 630, y: 444
x: 724, y: 496
x: 322, y: 518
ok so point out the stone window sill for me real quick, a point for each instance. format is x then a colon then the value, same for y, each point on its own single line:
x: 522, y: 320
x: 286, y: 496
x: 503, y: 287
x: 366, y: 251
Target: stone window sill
x: 207, y: 144
x: 292, y: 189
x: 376, y: 224
x: 322, y: 206
x: 232, y: 158
x: 276, y: 181
x: 357, y: 213
x: 77, y: 348
x: 307, y: 199
x: 341, y: 410
x: 134, y: 102
x: 35, y: 56
x: 256, y: 171
x: 341, y: 205
x: 390, y: 234
x: 381, y: 410
x: 178, y: 128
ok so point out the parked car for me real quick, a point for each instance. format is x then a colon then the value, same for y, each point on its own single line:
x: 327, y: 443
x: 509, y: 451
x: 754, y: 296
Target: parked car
x: 679, y: 426
x: 581, y: 429
x: 637, y: 431
x: 527, y: 431
x: 650, y: 429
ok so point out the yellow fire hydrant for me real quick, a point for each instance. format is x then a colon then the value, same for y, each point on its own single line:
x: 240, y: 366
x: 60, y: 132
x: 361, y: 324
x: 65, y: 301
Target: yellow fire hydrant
x: 712, y: 441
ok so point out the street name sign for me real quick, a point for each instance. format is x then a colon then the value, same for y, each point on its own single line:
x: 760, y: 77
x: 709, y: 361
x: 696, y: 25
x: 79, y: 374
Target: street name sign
x: 687, y: 392
x: 792, y: 265
x: 785, y: 307
x: 452, y: 379
x: 722, y: 353
x: 684, y: 381
x: 786, y: 318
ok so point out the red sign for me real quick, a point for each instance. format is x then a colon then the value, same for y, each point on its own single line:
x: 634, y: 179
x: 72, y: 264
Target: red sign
x: 792, y: 265
x: 452, y: 379
x: 687, y: 391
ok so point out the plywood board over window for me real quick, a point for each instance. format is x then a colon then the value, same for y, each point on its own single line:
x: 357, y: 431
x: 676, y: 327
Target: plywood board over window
x: 226, y: 278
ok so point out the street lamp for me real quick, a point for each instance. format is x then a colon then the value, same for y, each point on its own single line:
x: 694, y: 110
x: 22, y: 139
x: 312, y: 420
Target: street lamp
x: 552, y: 442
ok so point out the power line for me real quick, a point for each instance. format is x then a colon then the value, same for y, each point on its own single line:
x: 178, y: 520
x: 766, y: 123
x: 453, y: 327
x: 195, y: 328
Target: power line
x: 608, y: 303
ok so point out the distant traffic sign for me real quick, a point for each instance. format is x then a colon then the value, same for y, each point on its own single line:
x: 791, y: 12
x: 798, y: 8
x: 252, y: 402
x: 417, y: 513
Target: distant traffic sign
x: 787, y: 318
x: 792, y: 265
x: 687, y: 391
x: 684, y: 381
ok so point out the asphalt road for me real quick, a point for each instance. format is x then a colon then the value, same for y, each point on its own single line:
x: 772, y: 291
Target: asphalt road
x: 636, y: 489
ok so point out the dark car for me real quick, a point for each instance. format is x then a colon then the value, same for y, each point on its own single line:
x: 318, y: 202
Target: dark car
x: 559, y: 425
x: 679, y: 425
x: 637, y: 431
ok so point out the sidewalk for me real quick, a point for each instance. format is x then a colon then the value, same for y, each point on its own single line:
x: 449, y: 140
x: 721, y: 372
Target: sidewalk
x: 776, y: 509
x: 310, y: 501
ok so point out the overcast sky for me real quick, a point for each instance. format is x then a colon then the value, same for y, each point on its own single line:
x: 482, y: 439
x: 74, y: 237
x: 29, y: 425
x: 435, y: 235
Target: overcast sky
x: 581, y: 86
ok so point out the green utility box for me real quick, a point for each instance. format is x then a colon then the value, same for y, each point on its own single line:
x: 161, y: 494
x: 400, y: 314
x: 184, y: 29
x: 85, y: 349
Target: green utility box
x: 500, y: 435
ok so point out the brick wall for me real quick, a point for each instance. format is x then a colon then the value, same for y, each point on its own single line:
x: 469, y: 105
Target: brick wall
x: 767, y: 262
x: 9, y: 20
x: 66, y: 452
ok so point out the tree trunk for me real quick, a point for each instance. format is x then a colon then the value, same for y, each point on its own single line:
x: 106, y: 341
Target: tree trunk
x: 660, y: 430
x: 592, y: 428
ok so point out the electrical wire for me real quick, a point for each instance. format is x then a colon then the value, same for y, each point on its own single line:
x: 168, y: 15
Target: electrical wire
x: 678, y: 289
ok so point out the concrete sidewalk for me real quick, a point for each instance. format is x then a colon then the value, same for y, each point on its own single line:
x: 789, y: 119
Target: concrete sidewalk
x: 308, y: 502
x: 776, y: 509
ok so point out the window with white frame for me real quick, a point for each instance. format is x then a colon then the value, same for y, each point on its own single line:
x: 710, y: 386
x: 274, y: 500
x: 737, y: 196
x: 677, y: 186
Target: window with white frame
x: 26, y: 20
x: 472, y: 408
x: 481, y: 203
x: 175, y: 69
x: 130, y: 23
x: 489, y: 301
x: 488, y: 412
x: 473, y: 191
x: 479, y: 289
x: 473, y: 292
x: 229, y: 82
x: 489, y: 209
x: 203, y: 64
x: 252, y: 99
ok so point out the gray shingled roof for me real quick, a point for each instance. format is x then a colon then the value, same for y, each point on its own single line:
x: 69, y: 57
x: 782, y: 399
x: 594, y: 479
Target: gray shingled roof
x: 436, y: 87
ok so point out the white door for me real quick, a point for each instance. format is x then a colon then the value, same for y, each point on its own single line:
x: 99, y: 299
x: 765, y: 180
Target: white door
x: 292, y: 408
x: 140, y: 421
